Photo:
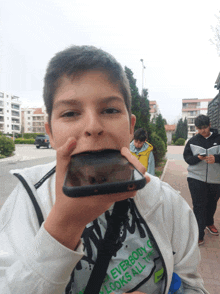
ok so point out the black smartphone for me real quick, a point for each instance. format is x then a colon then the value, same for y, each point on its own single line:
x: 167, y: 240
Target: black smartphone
x: 102, y: 172
x: 202, y: 154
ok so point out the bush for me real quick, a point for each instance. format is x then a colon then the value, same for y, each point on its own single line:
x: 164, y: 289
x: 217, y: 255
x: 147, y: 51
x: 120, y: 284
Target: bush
x: 31, y: 135
x: 180, y: 142
x: 7, y: 146
x: 24, y: 141
x: 159, y: 148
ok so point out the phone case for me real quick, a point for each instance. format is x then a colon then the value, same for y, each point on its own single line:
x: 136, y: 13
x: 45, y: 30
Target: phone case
x: 106, y: 158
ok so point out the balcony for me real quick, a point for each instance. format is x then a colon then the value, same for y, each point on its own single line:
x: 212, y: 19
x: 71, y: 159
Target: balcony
x: 38, y: 118
x: 15, y: 113
x: 15, y: 128
x: 15, y: 121
x: 14, y: 106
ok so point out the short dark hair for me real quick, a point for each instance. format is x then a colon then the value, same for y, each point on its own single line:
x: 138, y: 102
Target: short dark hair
x: 76, y: 60
x: 202, y: 121
x: 140, y: 135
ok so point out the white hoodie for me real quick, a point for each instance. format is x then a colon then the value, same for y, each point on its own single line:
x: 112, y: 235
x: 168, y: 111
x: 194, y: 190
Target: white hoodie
x: 32, y: 261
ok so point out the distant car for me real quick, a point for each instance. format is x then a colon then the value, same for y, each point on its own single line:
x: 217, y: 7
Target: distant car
x: 42, y: 140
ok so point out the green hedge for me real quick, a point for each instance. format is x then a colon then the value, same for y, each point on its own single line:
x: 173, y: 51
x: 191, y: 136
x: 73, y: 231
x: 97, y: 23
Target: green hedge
x: 180, y: 142
x: 159, y: 147
x: 7, y: 146
x: 24, y: 141
x: 28, y: 135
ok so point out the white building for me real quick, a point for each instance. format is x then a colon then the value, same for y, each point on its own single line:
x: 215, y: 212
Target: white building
x: 33, y: 120
x: 10, y: 114
x: 154, y: 109
x: 191, y: 108
x: 170, y: 130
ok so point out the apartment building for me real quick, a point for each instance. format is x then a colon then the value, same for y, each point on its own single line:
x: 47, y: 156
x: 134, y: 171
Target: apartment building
x: 154, y: 109
x: 214, y: 108
x: 191, y: 108
x: 33, y: 120
x: 10, y: 114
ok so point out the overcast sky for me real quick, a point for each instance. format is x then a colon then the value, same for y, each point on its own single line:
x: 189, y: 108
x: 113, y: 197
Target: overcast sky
x: 172, y: 37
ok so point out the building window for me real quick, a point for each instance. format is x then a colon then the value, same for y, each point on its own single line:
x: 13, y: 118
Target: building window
x: 29, y: 112
x: 14, y: 106
x: 28, y: 117
x: 1, y: 95
x: 192, y: 113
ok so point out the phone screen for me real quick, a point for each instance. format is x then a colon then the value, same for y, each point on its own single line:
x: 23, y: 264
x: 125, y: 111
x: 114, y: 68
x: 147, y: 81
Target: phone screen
x: 96, y: 168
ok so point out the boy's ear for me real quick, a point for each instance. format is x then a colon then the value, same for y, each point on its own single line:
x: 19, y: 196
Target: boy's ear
x: 49, y: 133
x: 133, y: 122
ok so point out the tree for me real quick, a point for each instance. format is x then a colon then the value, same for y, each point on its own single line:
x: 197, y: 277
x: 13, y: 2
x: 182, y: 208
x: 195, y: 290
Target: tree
x: 185, y: 128
x: 181, y: 129
x: 145, y: 112
x: 165, y: 121
x: 160, y: 129
x: 140, y: 104
x: 135, y: 96
x: 216, y: 35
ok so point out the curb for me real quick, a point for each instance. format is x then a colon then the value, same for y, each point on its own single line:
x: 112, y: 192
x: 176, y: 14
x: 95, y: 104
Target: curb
x: 164, y: 170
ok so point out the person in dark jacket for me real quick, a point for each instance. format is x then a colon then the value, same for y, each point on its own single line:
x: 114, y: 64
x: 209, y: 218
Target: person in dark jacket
x: 202, y: 153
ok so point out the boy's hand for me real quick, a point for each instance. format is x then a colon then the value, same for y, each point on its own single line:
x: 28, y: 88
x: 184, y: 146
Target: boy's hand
x: 69, y: 216
x: 201, y: 157
x: 210, y: 159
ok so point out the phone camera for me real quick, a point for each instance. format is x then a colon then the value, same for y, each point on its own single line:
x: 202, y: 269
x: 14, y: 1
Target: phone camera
x: 131, y: 187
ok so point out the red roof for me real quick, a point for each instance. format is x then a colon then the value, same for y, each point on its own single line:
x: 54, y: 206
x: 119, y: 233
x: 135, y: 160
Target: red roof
x: 170, y: 128
x: 38, y: 111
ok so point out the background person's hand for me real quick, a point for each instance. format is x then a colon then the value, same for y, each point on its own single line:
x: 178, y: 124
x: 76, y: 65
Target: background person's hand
x: 202, y: 157
x: 210, y: 159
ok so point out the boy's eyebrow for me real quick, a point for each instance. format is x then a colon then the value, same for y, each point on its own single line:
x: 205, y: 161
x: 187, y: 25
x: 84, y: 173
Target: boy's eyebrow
x: 111, y: 98
x: 71, y: 102
x: 66, y: 102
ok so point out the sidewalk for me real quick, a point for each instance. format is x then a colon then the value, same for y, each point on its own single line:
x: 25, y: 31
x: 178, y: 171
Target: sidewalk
x: 175, y: 174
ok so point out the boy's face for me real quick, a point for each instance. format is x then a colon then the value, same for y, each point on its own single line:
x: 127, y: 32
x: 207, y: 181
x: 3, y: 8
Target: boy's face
x: 138, y: 144
x: 92, y: 110
x: 204, y: 131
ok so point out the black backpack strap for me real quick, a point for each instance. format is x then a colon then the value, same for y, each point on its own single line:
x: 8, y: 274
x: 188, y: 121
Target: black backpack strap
x: 52, y: 171
x: 107, y: 247
x: 32, y: 197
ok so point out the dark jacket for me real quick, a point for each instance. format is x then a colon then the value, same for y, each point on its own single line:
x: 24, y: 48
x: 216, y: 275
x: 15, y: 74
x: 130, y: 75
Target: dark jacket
x: 199, y: 169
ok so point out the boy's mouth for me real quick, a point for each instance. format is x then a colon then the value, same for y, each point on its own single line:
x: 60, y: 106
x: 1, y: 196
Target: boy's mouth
x: 96, y: 151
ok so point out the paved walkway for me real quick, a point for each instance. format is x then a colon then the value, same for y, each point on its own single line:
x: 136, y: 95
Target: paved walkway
x: 175, y: 174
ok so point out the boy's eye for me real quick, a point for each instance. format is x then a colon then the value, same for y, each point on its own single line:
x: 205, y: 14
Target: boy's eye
x: 111, y: 110
x: 70, y: 114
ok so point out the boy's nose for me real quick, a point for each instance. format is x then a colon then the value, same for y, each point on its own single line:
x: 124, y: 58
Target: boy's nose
x: 93, y: 125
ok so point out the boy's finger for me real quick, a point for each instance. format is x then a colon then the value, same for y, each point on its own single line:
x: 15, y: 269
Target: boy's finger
x: 64, y: 153
x: 132, y: 159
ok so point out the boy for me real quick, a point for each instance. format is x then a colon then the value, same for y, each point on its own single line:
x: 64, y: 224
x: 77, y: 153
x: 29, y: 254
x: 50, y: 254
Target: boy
x: 88, y: 101
x: 143, y: 150
x: 204, y: 174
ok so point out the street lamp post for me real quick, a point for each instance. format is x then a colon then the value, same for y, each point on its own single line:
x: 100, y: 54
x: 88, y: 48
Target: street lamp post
x: 143, y: 68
